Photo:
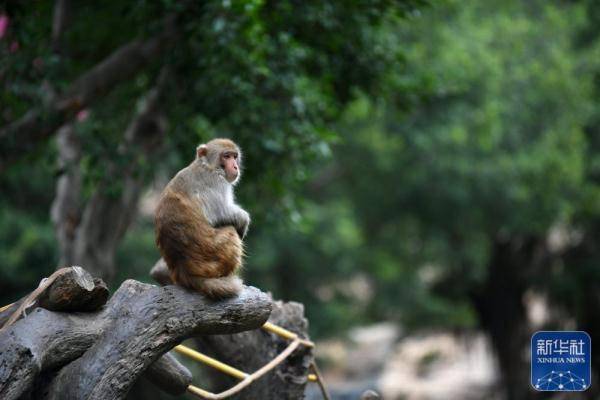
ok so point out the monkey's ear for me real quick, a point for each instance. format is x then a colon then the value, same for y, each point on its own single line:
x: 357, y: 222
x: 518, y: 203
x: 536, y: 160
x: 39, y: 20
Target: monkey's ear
x: 202, y: 150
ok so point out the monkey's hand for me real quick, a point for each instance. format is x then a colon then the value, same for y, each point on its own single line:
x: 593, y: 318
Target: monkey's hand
x: 239, y: 219
x: 242, y: 222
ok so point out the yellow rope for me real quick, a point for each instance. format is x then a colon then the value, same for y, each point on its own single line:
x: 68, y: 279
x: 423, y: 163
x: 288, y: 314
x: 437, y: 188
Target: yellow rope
x: 6, y: 307
x: 236, y: 373
x: 216, y: 364
x: 284, y: 333
x: 249, y: 379
x: 203, y: 394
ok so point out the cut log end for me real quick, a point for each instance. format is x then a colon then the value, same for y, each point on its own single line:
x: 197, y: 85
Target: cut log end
x: 76, y: 290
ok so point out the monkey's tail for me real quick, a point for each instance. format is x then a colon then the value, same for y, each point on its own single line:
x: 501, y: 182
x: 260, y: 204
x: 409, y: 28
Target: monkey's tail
x: 219, y: 288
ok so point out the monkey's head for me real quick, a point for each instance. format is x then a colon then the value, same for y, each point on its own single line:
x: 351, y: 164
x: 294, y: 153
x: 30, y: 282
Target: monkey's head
x: 224, y: 156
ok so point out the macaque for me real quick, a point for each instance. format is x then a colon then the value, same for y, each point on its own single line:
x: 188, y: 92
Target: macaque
x: 199, y: 227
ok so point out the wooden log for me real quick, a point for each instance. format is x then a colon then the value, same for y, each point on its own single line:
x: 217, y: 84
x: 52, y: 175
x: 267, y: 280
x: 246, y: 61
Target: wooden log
x: 160, y: 273
x: 155, y: 321
x: 9, y: 310
x: 42, y: 341
x: 169, y: 375
x: 139, y: 324
x: 248, y: 351
x: 75, y: 290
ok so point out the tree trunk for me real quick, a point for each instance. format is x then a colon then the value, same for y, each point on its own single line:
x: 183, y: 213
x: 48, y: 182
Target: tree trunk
x: 66, y: 207
x: 90, y: 236
x: 585, y: 302
x: 502, y: 312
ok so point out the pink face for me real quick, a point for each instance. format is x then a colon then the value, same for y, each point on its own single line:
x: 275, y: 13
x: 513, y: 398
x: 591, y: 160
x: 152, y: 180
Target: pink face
x: 229, y: 163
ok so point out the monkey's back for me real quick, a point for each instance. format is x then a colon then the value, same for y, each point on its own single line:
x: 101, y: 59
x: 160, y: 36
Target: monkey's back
x: 191, y: 247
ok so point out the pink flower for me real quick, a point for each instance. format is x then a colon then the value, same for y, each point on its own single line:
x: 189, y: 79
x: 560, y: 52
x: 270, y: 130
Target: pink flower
x: 83, y: 115
x: 3, y: 25
x: 14, y: 46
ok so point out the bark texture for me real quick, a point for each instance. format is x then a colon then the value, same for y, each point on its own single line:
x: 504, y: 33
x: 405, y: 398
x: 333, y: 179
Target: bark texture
x: 75, y: 290
x: 248, y: 351
x: 101, y: 354
x: 251, y: 350
x: 66, y: 207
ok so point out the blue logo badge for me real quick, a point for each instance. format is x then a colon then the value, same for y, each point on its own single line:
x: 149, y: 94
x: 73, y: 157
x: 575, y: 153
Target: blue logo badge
x: 560, y: 361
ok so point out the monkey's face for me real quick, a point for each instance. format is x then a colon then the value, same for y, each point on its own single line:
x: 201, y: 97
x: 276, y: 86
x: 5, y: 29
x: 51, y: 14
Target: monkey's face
x: 224, y: 155
x: 229, y: 163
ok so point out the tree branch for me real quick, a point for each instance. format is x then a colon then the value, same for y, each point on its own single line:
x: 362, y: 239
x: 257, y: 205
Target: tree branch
x: 60, y: 21
x: 38, y: 124
x: 251, y: 350
x: 169, y: 375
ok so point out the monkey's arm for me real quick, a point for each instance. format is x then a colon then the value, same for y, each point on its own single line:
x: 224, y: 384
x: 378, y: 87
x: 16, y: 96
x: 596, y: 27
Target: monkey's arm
x: 238, y: 218
x: 242, y: 219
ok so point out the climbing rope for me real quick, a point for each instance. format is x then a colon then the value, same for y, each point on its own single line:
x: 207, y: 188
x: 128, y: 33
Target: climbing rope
x: 245, y: 378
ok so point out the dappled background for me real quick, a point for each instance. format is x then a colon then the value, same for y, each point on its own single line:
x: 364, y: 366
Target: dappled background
x: 422, y: 176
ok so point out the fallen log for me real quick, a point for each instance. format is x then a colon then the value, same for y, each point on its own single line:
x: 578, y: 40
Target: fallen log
x: 73, y: 290
x: 250, y: 350
x: 99, y: 355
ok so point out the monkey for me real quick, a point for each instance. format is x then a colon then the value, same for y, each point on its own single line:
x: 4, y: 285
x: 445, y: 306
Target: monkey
x: 199, y: 227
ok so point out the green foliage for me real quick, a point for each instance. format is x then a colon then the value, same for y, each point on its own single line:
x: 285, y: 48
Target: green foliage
x: 502, y: 129
x: 386, y: 144
x: 274, y: 76
x: 28, y: 252
x: 28, y: 249
x: 493, y: 144
x: 137, y: 254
